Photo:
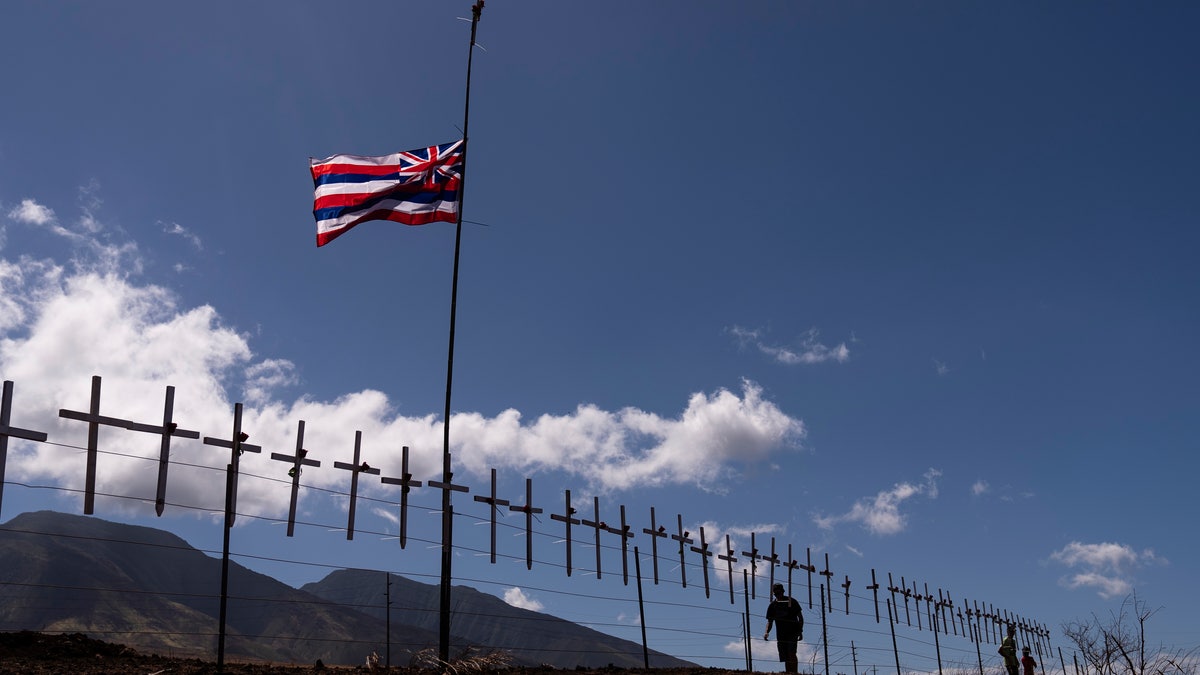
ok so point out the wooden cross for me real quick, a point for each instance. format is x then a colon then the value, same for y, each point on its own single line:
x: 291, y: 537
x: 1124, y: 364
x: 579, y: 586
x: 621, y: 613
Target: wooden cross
x: 705, y: 554
x: 406, y: 483
x: 528, y: 510
x: 298, y: 460
x: 961, y: 623
x: 774, y: 560
x: 943, y: 604
x: 846, y: 587
x: 655, y: 531
x: 917, y: 598
x: 569, y: 520
x: 355, y: 469
x: 907, y: 594
x: 626, y: 535
x: 930, y: 610
x: 792, y: 565
x: 828, y: 574
x: 237, y: 445
x: 6, y: 431
x: 893, y: 588
x: 729, y: 559
x: 596, y: 524
x: 754, y: 557
x: 874, y: 587
x: 683, y: 539
x: 493, y: 502
x: 94, y: 420
x: 810, y: 568
x: 168, y: 429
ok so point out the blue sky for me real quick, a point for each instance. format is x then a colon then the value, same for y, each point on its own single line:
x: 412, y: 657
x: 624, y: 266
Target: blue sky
x: 910, y: 284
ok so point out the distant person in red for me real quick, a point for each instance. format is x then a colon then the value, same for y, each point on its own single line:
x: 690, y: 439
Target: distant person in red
x: 784, y: 612
x: 1027, y: 661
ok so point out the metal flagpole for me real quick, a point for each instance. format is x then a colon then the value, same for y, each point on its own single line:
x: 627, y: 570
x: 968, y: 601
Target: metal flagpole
x: 447, y: 474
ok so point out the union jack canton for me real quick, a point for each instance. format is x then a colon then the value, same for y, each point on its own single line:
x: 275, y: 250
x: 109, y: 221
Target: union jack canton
x: 414, y: 188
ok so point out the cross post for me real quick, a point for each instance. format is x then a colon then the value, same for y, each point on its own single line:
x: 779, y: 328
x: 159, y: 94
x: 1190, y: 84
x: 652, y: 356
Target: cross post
x: 655, y: 531
x: 528, y: 510
x: 355, y: 469
x: 493, y: 502
x: 6, y: 431
x: 298, y: 461
x: 568, y: 519
x: 406, y: 483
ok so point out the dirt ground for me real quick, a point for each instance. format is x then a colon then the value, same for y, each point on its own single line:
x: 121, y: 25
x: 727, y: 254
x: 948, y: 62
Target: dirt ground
x: 30, y: 653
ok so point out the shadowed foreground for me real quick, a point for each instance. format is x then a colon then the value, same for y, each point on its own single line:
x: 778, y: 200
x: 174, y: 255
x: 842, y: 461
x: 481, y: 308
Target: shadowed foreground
x: 30, y: 653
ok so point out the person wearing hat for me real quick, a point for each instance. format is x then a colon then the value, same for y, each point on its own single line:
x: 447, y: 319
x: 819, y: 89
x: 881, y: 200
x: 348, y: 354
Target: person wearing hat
x: 1027, y: 661
x: 784, y: 613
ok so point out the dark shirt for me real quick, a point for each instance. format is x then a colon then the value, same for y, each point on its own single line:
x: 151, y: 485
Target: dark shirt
x: 789, y: 621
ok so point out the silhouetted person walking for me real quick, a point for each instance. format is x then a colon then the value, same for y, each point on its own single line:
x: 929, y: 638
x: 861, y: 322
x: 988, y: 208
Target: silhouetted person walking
x: 784, y: 613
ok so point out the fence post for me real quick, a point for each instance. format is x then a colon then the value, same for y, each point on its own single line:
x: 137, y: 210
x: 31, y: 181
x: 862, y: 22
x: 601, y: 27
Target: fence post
x: 637, y: 570
x: 895, y: 648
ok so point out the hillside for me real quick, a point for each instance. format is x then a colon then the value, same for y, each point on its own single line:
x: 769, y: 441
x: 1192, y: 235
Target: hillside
x: 150, y: 590
x: 485, y: 620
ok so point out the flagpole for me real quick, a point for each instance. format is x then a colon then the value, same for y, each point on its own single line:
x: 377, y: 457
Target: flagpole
x: 447, y: 474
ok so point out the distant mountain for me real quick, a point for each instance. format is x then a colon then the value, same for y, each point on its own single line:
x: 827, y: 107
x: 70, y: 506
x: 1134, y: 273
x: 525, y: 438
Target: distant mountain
x: 485, y: 621
x: 149, y: 589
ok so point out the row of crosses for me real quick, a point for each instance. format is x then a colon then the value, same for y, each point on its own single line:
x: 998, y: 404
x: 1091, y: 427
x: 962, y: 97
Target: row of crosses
x: 941, y: 613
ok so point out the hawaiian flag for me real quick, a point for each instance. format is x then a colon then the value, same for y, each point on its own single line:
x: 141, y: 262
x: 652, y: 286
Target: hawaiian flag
x: 414, y: 188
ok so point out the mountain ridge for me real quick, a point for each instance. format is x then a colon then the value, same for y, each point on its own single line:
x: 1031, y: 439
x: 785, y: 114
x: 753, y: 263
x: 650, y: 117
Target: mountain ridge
x: 153, y: 591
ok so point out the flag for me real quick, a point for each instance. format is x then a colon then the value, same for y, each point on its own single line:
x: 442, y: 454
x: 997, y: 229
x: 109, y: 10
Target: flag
x: 414, y: 187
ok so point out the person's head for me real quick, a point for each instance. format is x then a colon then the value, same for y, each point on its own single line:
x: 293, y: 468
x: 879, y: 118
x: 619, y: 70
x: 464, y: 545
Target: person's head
x: 1025, y: 649
x: 778, y: 590
x: 1012, y: 629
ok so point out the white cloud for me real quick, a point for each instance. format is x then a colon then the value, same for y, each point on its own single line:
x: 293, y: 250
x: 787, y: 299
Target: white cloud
x: 940, y: 368
x: 980, y: 487
x: 1107, y: 567
x: 180, y: 231
x: 265, y: 378
x: 881, y: 514
x: 32, y: 213
x: 517, y: 598
x: 93, y: 251
x: 59, y: 325
x: 1105, y: 586
x: 809, y: 349
x: 633, y: 448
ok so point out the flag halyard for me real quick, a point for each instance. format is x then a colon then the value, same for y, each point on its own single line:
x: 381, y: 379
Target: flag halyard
x: 414, y: 187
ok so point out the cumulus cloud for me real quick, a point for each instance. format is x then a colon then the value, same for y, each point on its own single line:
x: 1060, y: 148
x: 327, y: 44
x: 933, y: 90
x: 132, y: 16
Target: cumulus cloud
x: 881, y: 514
x: 1108, y: 568
x: 60, y: 324
x: 517, y: 598
x: 980, y: 487
x: 631, y: 447
x: 808, y: 350
x: 32, y: 213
